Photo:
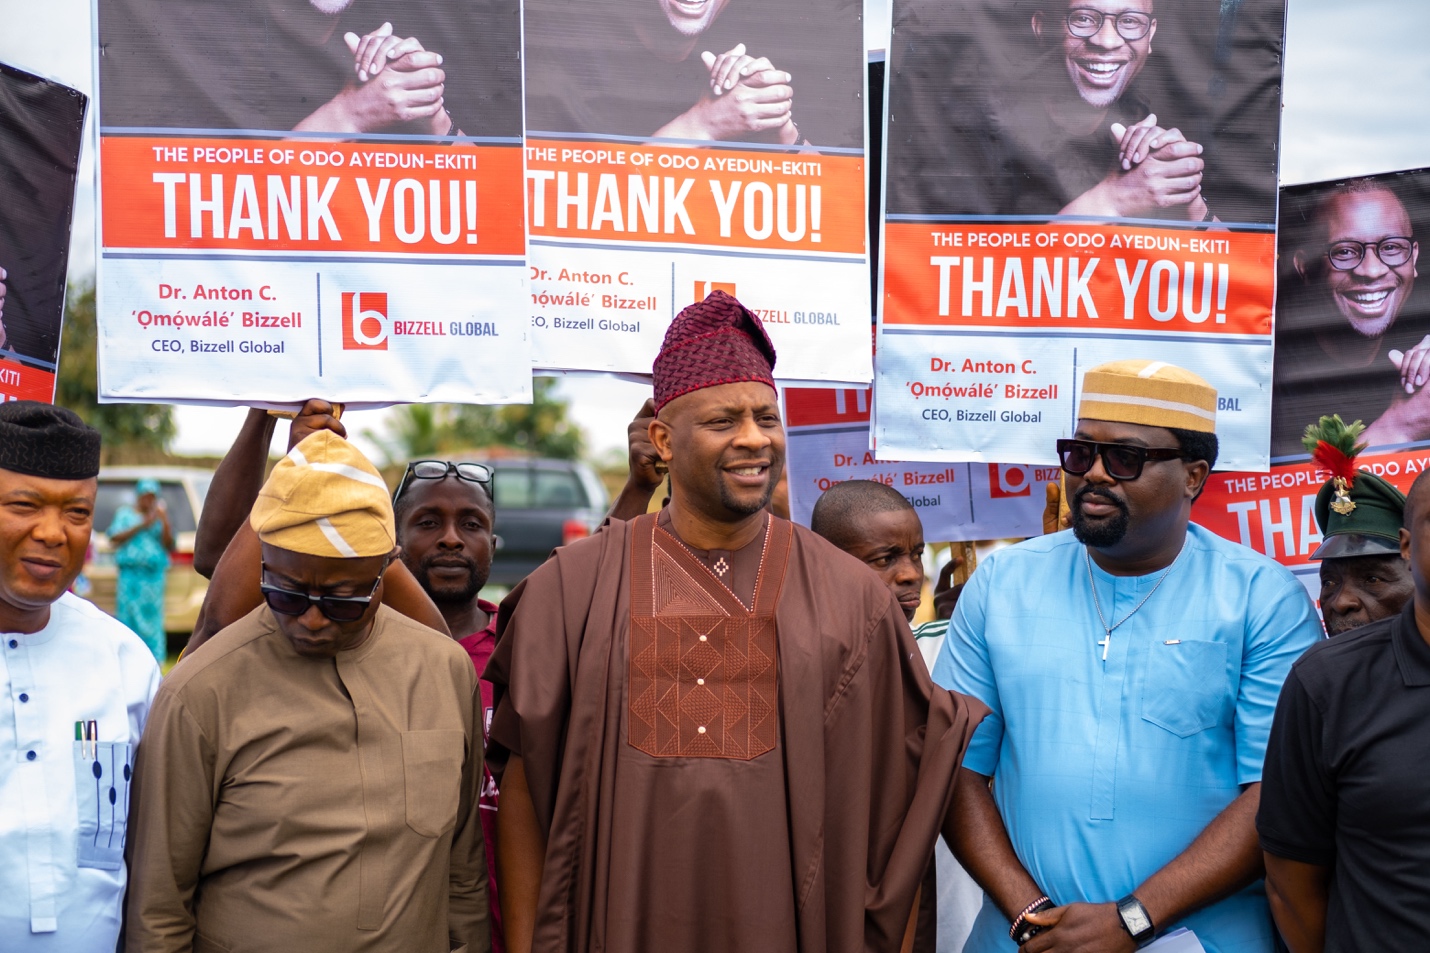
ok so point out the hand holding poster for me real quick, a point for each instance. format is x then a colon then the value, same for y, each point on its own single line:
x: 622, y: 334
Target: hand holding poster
x: 317, y: 197
x: 674, y: 148
x: 1063, y: 192
x: 828, y: 443
x: 41, y: 127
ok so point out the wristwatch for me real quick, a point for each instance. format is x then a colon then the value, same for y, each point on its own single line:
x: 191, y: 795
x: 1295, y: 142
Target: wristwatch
x: 1135, y: 919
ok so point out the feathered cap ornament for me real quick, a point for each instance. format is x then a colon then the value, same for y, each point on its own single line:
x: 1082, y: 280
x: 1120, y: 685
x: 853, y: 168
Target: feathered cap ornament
x: 1333, y: 447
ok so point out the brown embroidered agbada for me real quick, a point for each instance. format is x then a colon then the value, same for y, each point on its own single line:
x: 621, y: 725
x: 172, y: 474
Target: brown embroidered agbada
x: 726, y: 751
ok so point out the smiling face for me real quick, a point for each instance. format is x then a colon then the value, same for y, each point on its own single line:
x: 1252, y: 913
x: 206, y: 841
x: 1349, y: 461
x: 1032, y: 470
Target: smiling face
x: 690, y: 18
x: 1359, y: 590
x: 312, y: 634
x: 445, y: 529
x: 725, y: 447
x: 1103, y: 65
x: 891, y: 543
x: 1370, y: 295
x: 44, y: 532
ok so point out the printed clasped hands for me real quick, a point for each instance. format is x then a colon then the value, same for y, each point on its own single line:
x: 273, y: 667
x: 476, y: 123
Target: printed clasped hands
x: 398, y: 84
x: 747, y: 95
x: 1156, y: 169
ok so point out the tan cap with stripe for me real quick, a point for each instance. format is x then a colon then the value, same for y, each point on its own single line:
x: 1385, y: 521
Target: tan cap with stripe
x: 1151, y: 393
x: 325, y: 499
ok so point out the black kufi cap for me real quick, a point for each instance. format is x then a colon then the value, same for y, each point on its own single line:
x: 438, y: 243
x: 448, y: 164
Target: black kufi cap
x: 47, y: 441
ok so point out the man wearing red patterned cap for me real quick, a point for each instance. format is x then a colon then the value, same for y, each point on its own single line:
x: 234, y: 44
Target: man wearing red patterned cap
x: 715, y: 729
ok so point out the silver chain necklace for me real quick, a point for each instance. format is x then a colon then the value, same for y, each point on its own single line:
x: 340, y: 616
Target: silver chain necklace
x: 1106, y: 643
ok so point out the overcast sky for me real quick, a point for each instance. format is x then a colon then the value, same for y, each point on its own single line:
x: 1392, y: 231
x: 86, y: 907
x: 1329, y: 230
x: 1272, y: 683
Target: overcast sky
x: 1356, y: 76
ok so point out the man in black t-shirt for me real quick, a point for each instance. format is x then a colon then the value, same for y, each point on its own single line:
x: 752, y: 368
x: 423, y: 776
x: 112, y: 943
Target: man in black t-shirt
x: 1342, y: 820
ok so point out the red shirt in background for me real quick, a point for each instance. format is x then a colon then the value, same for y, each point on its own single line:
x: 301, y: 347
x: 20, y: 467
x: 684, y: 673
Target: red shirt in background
x: 479, y: 646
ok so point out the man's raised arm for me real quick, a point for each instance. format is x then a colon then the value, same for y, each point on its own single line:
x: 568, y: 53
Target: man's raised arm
x: 234, y: 488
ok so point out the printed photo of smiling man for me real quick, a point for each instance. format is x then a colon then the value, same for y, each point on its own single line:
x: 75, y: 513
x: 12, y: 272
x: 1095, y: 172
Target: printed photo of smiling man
x: 1351, y: 331
x: 768, y: 72
x: 1122, y: 109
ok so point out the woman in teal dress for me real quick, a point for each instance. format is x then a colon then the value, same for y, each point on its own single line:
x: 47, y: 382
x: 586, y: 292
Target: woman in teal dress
x: 142, y: 542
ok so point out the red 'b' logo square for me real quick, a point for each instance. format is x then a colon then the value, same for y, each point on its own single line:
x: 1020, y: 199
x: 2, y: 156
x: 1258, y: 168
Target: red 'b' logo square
x: 704, y: 289
x: 365, y: 322
x: 1005, y: 481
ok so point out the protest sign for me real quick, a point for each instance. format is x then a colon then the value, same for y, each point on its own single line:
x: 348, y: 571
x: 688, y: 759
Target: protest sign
x: 1061, y: 192
x: 827, y: 442
x: 647, y: 189
x: 309, y: 198
x: 1352, y: 338
x: 41, y: 127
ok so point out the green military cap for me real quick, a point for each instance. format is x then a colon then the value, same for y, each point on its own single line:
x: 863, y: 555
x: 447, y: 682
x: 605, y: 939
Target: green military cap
x: 1372, y: 528
x: 1359, y: 513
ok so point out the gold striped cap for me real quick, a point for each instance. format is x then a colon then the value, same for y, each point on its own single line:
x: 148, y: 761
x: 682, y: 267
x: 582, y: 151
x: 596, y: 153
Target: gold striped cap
x: 1151, y: 393
x: 325, y: 499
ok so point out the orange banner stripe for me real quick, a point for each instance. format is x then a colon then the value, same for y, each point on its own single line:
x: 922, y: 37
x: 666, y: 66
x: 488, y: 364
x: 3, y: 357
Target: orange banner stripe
x: 291, y: 195
x: 687, y: 195
x: 1073, y: 275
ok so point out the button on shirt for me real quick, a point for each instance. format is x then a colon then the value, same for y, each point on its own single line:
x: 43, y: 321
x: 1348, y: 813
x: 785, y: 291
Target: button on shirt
x: 1347, y: 782
x: 62, y: 836
x: 1106, y: 771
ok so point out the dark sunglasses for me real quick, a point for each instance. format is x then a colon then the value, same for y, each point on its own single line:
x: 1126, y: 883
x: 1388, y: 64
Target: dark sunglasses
x: 335, y: 608
x: 438, y: 470
x: 1122, y: 461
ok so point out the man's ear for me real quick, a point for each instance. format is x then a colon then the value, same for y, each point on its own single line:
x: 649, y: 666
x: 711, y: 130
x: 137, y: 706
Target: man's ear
x: 1415, y: 258
x: 660, y: 438
x: 1405, y: 544
x: 1301, y: 264
x: 1038, y: 24
x: 1197, y: 475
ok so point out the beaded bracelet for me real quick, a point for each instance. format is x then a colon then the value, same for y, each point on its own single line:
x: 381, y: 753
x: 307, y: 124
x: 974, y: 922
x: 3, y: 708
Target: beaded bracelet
x: 1022, y: 931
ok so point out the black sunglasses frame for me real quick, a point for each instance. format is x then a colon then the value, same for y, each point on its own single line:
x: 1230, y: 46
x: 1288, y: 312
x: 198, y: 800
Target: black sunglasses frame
x: 324, y: 603
x: 1140, y: 456
x: 450, y: 467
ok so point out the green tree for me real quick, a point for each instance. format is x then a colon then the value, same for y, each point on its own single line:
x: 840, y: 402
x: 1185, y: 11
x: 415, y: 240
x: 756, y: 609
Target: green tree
x: 540, y: 427
x: 125, y: 428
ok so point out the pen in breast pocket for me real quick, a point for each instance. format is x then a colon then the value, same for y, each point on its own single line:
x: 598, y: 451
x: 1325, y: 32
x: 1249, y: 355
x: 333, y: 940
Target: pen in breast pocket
x: 93, y: 738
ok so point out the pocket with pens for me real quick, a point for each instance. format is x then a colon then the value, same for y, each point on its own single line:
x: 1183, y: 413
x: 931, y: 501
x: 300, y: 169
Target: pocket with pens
x: 102, y: 770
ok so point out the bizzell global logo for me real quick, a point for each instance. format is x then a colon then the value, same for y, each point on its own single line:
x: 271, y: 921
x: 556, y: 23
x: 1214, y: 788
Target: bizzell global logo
x: 1005, y: 481
x: 365, y: 322
x: 704, y: 289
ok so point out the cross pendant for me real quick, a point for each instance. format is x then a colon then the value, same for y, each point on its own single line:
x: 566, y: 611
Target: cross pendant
x: 1106, y: 644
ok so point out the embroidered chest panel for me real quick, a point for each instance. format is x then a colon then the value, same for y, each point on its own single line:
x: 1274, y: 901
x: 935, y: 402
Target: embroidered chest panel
x: 703, y: 677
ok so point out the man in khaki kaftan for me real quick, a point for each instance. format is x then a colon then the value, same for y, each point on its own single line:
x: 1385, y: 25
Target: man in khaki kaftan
x: 308, y: 784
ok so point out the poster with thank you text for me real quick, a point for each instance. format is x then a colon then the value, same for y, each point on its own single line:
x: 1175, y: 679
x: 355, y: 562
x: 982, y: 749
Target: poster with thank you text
x: 311, y: 197
x: 1070, y: 182
x: 677, y: 147
x: 1352, y: 338
x: 41, y: 128
x: 827, y: 442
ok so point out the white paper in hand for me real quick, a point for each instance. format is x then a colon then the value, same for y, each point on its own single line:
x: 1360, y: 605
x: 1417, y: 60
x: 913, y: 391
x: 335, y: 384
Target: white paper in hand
x: 1178, y: 941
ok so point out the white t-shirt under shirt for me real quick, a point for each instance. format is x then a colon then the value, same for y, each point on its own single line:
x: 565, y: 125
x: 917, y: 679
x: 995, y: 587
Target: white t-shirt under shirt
x: 63, y: 803
x: 959, y: 898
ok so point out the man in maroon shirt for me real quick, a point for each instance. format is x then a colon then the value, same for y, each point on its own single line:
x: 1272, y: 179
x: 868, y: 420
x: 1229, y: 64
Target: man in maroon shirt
x: 444, y: 525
